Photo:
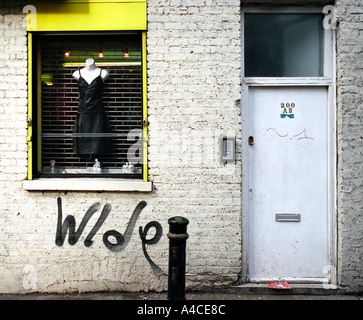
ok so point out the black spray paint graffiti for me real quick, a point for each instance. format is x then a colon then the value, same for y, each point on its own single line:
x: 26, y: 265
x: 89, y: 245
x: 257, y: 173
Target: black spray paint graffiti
x: 154, y: 240
x: 122, y: 241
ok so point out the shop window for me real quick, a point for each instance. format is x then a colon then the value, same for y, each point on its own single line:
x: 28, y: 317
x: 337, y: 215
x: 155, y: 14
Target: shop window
x: 82, y: 117
x: 283, y: 45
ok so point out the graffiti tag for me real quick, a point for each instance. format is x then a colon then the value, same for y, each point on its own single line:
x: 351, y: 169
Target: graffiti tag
x: 122, y: 240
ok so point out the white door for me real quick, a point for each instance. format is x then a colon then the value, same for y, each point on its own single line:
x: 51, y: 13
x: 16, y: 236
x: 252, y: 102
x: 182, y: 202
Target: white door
x: 288, y: 142
x: 288, y: 183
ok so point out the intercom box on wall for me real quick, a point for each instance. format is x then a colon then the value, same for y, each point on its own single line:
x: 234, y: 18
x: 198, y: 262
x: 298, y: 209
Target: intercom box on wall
x: 228, y: 149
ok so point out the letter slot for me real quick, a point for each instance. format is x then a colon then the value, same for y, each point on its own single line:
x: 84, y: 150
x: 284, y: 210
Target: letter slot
x: 287, y: 217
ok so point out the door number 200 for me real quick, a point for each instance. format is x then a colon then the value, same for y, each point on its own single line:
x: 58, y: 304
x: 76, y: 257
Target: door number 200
x: 287, y: 107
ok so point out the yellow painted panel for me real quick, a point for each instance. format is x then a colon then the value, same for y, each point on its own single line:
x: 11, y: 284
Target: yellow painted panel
x: 103, y: 1
x: 30, y: 97
x: 144, y: 104
x: 90, y: 16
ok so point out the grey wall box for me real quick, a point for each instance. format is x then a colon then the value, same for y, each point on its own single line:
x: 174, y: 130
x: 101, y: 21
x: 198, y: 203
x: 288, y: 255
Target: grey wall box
x: 228, y: 149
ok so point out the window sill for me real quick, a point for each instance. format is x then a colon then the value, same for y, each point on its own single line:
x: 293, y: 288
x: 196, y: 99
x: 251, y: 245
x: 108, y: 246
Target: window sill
x: 87, y: 184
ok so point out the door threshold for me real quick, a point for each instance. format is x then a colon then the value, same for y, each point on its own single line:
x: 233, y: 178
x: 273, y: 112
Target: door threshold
x: 296, y: 289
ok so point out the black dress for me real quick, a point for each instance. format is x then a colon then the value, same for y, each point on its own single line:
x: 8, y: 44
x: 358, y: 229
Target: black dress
x: 91, y: 120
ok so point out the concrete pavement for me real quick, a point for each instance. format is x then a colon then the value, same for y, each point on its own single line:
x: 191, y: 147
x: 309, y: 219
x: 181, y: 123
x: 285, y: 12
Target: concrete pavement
x: 190, y: 296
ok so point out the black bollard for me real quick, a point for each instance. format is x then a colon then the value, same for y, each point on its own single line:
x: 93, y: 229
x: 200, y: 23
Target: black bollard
x: 177, y: 243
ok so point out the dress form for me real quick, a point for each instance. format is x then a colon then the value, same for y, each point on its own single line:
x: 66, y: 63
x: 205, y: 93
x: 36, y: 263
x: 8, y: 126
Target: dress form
x: 91, y: 120
x: 90, y: 72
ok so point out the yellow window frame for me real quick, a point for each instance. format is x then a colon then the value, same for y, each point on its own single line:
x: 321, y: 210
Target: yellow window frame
x: 86, y: 15
x: 72, y: 15
x: 30, y: 109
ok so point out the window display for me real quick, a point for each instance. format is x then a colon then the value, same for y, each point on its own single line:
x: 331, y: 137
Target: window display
x: 89, y: 104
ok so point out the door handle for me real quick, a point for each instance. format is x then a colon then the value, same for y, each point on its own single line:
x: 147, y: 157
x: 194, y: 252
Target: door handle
x: 251, y: 141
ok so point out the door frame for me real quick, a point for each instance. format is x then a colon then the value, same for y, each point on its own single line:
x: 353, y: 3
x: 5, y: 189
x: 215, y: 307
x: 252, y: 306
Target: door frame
x: 328, y: 81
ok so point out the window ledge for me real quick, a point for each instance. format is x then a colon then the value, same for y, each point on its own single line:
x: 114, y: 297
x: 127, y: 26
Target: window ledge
x: 87, y: 184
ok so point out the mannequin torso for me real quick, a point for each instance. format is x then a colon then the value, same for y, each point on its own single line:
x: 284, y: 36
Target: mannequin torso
x: 90, y: 72
x: 91, y: 117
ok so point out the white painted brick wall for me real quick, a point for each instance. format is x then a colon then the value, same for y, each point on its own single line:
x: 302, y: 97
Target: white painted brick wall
x: 193, y: 93
x: 350, y: 142
x: 193, y: 98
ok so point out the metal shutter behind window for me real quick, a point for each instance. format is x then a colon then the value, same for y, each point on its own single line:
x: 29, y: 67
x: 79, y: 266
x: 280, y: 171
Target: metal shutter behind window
x: 59, y: 57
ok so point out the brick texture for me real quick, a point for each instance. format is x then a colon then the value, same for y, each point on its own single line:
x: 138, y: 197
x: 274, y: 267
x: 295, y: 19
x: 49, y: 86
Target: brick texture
x: 194, y: 92
x: 350, y: 142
